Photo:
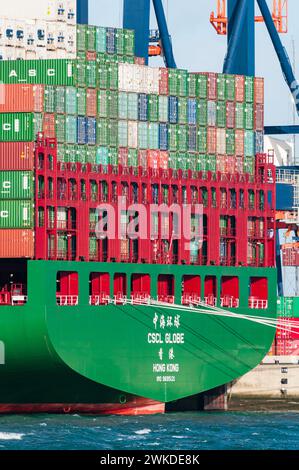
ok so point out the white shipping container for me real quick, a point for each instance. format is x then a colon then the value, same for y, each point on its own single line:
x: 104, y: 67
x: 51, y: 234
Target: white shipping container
x: 61, y: 34
x: 30, y: 39
x: 40, y: 33
x: 221, y: 141
x: 20, y: 34
x: 9, y: 33
x: 71, y: 39
x: 30, y: 55
x: 132, y: 134
x: 51, y: 34
x: 71, y: 12
x: 53, y: 10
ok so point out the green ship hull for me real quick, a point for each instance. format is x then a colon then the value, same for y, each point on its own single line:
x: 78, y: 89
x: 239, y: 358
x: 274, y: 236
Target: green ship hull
x: 120, y: 357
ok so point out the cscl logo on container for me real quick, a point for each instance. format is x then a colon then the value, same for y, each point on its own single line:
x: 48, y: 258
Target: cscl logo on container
x: 8, y: 126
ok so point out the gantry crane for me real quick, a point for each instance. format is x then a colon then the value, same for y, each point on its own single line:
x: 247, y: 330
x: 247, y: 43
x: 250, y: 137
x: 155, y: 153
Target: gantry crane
x: 279, y: 15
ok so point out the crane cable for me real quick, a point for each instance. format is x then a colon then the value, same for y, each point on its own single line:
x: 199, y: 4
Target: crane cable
x: 215, y: 311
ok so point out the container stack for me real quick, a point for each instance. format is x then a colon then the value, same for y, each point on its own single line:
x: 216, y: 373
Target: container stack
x: 111, y: 114
x: 286, y: 341
x: 38, y: 30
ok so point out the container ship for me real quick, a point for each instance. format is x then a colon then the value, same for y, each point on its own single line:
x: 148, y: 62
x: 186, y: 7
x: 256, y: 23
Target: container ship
x: 126, y: 319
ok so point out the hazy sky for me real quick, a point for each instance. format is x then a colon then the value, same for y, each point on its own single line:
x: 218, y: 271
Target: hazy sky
x: 197, y: 47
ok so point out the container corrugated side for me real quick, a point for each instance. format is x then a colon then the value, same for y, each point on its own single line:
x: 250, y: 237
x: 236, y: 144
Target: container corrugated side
x: 16, y: 185
x: 16, y: 243
x: 16, y: 214
x: 20, y: 98
x: 48, y: 72
x: 16, y: 156
x: 16, y: 127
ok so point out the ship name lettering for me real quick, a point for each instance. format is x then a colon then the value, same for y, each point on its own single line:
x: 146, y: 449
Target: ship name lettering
x: 173, y: 368
x: 175, y: 338
x: 154, y: 338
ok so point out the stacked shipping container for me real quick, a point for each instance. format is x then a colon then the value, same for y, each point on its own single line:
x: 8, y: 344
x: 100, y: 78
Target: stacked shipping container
x: 286, y: 341
x: 104, y: 111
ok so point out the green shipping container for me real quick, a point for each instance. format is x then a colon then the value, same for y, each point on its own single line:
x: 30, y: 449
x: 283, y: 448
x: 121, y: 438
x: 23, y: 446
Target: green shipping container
x: 16, y: 214
x: 113, y: 156
x: 61, y: 153
x: 230, y: 87
x: 172, y: 137
x: 60, y: 99
x: 202, y: 140
x: 113, y: 133
x: 120, y: 41
x: 81, y: 73
x: 91, y: 154
x: 16, y: 127
x: 221, y: 82
x: 71, y: 129
x: 113, y: 76
x: 182, y: 110
x: 230, y: 141
x: 249, y: 89
x: 60, y: 128
x: 249, y: 143
x: 123, y: 133
x: 153, y: 108
x: 91, y: 75
x: 81, y: 37
x: 71, y: 153
x: 133, y: 157
x: 91, y: 38
x: 182, y: 138
x: 101, y: 39
x: 202, y: 113
x: 163, y: 108
x: 129, y: 42
x: 192, y: 85
x: 112, y: 104
x: 16, y: 185
x: 47, y: 72
x: 122, y: 105
x: 49, y: 99
x: 102, y: 132
x: 37, y: 123
x: 71, y: 100
x: 202, y: 86
x: 153, y: 136
x: 103, y: 103
x: 211, y: 163
x: 173, y: 82
x: 102, y: 76
x: 142, y: 135
x: 81, y: 101
x: 249, y: 116
x: 240, y: 115
x: 221, y: 114
x: 182, y: 82
x: 133, y: 106
x: 81, y: 154
x: 249, y: 165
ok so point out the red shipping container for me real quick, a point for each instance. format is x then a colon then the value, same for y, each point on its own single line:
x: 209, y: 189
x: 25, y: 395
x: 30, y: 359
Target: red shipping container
x: 49, y: 128
x: 230, y: 114
x: 163, y: 82
x: 142, y: 158
x: 123, y: 156
x: 16, y: 156
x: 239, y: 142
x: 259, y: 117
x: 211, y: 140
x: 220, y: 163
x: 139, y: 60
x: 259, y: 90
x: 230, y: 165
x: 91, y: 102
x: 16, y: 243
x: 239, y: 165
x: 164, y: 160
x: 21, y: 98
x: 212, y: 86
x: 240, y: 88
x: 153, y: 159
x: 290, y: 256
x: 91, y: 56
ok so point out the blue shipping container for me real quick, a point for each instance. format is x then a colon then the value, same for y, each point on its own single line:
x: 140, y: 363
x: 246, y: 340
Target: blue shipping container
x: 173, y: 109
x: 81, y: 130
x: 285, y: 197
x: 192, y: 134
x: 142, y: 107
x: 91, y: 130
x: 111, y: 42
x: 163, y: 137
x: 192, y: 107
